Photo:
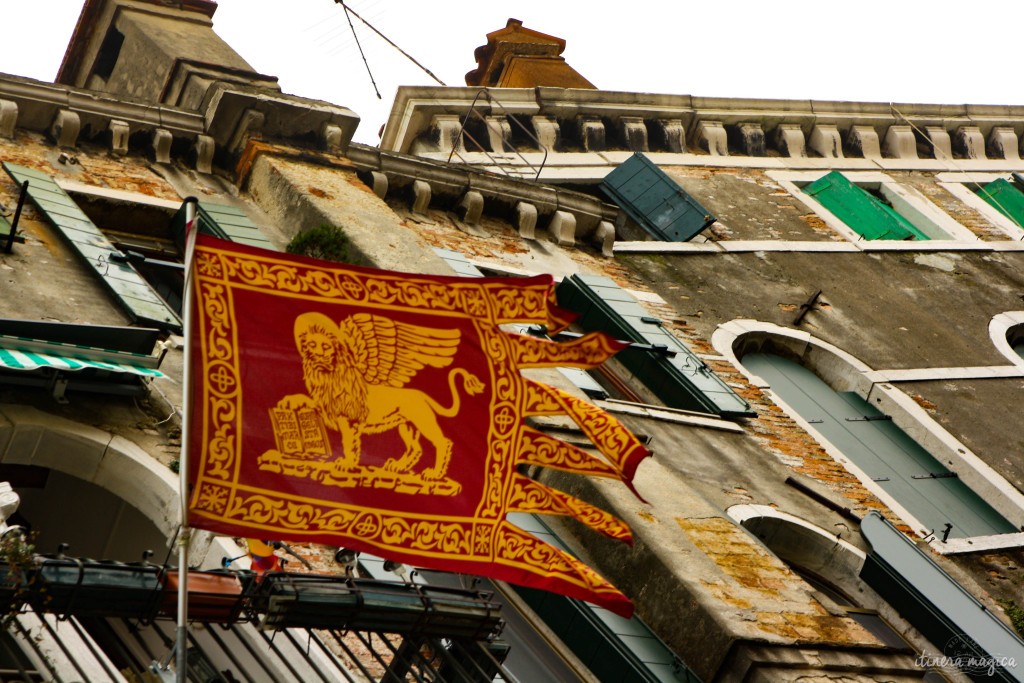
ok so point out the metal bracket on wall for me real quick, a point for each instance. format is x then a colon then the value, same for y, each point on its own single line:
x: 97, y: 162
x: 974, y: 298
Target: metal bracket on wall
x: 935, y: 475
x: 17, y: 217
x: 807, y: 307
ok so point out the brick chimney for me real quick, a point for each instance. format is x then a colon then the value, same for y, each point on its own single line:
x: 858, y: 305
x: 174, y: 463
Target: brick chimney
x: 518, y: 57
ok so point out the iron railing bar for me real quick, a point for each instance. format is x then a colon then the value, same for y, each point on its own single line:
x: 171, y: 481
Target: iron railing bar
x: 274, y: 648
x: 459, y: 671
x: 333, y: 658
x: 35, y: 648
x: 368, y: 642
x: 63, y: 647
x: 351, y: 655
x: 493, y: 101
x: 212, y: 632
x: 404, y: 660
x: 506, y: 675
x: 305, y: 649
x: 96, y: 652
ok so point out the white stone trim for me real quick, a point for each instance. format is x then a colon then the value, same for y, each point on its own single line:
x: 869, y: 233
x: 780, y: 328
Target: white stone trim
x: 849, y: 373
x: 73, y: 187
x: 121, y: 467
x: 999, y: 329
x: 745, y: 512
x: 958, y: 184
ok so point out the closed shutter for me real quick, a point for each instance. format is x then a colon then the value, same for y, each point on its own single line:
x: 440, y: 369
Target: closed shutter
x: 125, y: 284
x: 925, y: 487
x: 864, y: 214
x: 679, y: 378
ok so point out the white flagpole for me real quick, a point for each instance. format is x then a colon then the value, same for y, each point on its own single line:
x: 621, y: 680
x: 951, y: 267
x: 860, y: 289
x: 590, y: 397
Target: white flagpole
x: 185, y: 534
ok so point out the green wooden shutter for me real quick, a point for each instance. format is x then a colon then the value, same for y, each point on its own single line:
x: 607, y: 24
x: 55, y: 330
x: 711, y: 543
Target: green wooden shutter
x: 681, y: 380
x: 866, y: 215
x: 880, y: 449
x: 1005, y: 198
x: 131, y: 290
x: 655, y: 201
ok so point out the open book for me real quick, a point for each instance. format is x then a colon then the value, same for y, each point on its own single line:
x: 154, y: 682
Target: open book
x: 300, y: 433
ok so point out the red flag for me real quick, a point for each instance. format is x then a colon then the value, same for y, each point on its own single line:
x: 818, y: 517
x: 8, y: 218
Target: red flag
x: 384, y: 412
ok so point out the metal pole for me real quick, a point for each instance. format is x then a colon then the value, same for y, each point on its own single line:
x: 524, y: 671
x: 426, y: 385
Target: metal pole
x: 185, y: 535
x: 17, y: 216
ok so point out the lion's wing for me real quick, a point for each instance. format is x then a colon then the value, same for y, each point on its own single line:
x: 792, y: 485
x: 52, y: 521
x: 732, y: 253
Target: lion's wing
x: 388, y: 352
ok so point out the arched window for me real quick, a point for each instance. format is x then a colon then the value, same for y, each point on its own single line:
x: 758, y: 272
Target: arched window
x: 1007, y: 333
x: 924, y: 488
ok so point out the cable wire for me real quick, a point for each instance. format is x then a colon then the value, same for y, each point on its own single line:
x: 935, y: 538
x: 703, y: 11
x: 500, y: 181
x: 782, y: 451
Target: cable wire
x: 389, y: 42
x: 359, y: 45
x: 936, y: 152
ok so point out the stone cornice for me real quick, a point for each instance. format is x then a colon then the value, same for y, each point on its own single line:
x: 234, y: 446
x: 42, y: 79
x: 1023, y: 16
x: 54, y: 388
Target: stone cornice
x: 598, y: 121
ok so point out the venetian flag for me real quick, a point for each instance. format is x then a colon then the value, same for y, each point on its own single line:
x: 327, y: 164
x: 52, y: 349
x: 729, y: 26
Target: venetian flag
x: 385, y: 412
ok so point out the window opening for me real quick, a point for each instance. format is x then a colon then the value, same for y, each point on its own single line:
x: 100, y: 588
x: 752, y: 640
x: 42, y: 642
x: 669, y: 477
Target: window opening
x: 110, y: 50
x: 931, y: 493
x: 1006, y: 198
x: 665, y: 365
x: 868, y: 212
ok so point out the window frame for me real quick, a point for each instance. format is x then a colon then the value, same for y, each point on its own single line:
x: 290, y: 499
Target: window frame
x: 908, y: 202
x: 959, y: 185
x: 843, y: 369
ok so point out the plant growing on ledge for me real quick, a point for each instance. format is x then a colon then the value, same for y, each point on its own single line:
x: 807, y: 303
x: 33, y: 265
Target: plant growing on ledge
x: 17, y: 560
x: 326, y: 241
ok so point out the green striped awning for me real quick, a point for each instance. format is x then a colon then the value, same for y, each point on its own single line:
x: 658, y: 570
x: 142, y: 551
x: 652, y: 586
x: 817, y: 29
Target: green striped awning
x: 19, y: 353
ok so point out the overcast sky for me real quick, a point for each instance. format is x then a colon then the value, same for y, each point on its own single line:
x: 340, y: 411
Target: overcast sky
x: 871, y: 50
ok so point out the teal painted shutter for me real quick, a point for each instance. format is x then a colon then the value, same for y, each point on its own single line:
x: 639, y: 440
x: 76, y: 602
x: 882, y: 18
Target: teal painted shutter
x: 655, y: 201
x: 681, y: 380
x: 581, y: 378
x: 617, y: 649
x: 131, y: 290
x: 223, y: 221
x: 231, y: 223
x: 866, y: 215
x: 1006, y: 199
x: 883, y: 451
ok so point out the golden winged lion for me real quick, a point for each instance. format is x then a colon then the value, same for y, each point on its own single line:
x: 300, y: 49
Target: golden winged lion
x: 356, y: 374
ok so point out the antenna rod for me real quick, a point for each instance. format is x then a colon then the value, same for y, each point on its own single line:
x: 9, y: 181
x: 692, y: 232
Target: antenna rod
x: 389, y: 41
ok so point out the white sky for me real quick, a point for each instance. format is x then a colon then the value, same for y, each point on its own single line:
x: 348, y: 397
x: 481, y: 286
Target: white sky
x: 870, y: 50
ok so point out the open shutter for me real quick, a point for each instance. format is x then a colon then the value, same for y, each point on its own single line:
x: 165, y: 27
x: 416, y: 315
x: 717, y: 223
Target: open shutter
x: 579, y: 377
x: 223, y: 221
x: 130, y: 289
x: 678, y: 377
x: 1005, y: 198
x: 655, y: 201
x: 866, y: 215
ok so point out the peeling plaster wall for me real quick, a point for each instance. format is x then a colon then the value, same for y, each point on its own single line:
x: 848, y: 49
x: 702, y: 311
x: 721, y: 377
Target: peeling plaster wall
x: 300, y: 195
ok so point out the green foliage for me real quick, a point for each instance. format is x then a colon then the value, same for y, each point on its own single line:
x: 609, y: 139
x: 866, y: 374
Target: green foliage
x: 1016, y: 614
x: 175, y: 465
x: 17, y: 559
x: 326, y: 241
